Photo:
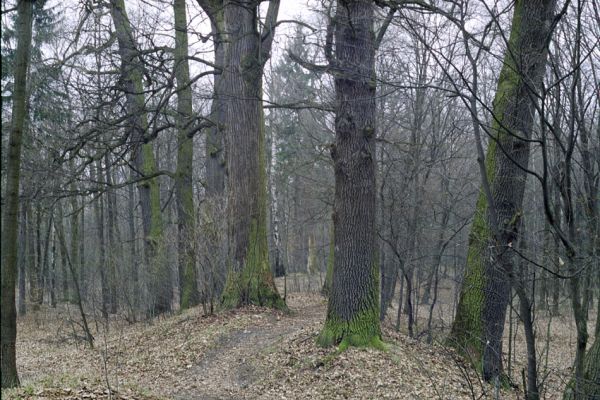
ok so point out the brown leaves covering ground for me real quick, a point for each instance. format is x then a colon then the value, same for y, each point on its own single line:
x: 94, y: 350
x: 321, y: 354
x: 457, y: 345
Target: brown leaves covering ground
x: 252, y: 353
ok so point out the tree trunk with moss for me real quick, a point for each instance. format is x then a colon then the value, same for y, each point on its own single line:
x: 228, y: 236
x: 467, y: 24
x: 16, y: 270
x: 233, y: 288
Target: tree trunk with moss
x: 10, y: 209
x: 188, y: 284
x: 479, y: 323
x: 215, y: 154
x: 249, y: 279
x: 160, y: 285
x: 353, y: 309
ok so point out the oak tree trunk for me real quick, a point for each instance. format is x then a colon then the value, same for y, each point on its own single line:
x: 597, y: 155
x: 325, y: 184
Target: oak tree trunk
x: 249, y: 279
x: 188, y: 284
x: 353, y: 308
x: 479, y: 323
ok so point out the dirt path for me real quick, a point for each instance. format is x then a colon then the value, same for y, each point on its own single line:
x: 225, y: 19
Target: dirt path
x: 226, y: 371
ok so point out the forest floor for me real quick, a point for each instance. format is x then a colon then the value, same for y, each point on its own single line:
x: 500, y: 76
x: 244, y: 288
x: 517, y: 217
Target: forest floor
x: 250, y: 353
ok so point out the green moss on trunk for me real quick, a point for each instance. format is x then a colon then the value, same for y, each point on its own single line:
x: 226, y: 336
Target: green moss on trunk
x: 188, y: 285
x: 467, y: 334
x: 467, y: 329
x: 361, y: 331
x: 363, y: 328
x: 253, y: 283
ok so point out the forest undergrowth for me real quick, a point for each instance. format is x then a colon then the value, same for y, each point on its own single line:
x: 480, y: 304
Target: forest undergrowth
x: 257, y: 353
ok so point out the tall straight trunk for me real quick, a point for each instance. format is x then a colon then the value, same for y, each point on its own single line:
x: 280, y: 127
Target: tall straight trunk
x: 215, y: 153
x: 64, y: 284
x: 37, y: 277
x: 22, y: 308
x: 58, y: 223
x: 160, y: 286
x: 184, y: 193
x: 99, y: 215
x: 215, y: 146
x: 30, y: 252
x: 53, y: 274
x: 353, y: 308
x: 249, y: 279
x: 75, y: 238
x: 44, y: 271
x: 82, y: 268
x: 133, y: 254
x: 479, y: 323
x: 113, y: 243
x: 10, y: 209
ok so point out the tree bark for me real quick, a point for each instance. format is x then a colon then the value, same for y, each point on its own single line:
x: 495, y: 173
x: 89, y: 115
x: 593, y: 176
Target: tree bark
x: 160, y: 287
x: 114, y: 244
x: 249, y: 279
x: 10, y: 210
x: 82, y: 260
x: 188, y: 280
x: 215, y: 157
x: 74, y: 252
x: 353, y: 308
x: 22, y: 307
x: 99, y: 214
x: 479, y: 323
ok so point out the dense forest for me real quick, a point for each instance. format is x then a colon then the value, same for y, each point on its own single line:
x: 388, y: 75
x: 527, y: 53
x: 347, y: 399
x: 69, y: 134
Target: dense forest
x: 228, y: 199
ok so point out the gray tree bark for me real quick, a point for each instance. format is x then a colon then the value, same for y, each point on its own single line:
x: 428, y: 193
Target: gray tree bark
x: 249, y: 279
x: 186, y: 216
x: 353, y: 308
x: 160, y: 286
x: 10, y: 210
x: 479, y: 324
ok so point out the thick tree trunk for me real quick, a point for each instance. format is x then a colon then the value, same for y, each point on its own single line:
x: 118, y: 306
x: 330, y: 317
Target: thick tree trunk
x: 188, y: 280
x: 160, y: 287
x: 10, y: 210
x: 479, y: 323
x: 215, y: 157
x: 353, y: 309
x: 249, y: 279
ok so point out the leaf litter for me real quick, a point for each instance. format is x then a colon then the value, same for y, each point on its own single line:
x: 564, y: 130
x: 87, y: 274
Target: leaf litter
x: 248, y: 353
